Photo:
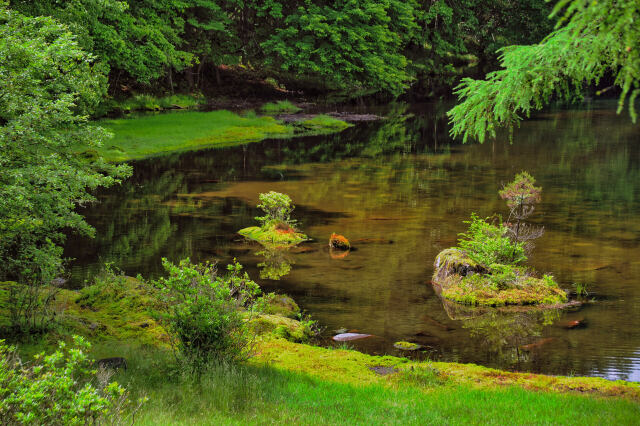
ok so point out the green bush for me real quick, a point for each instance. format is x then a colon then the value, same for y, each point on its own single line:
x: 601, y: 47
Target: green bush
x: 59, y: 389
x: 205, y: 315
x: 489, y: 244
x: 277, y: 208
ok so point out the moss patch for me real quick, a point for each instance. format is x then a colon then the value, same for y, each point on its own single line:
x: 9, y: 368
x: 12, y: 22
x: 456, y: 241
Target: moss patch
x: 462, y: 280
x: 406, y: 346
x: 479, y: 290
x: 149, y: 135
x: 123, y: 309
x: 279, y: 107
x: 323, y: 123
x: 345, y: 366
x: 281, y: 327
x: 273, y: 236
x: 279, y: 304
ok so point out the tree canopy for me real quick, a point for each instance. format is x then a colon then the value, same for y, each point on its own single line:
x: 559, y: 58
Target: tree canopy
x: 592, y: 40
x: 362, y: 45
x: 49, y: 86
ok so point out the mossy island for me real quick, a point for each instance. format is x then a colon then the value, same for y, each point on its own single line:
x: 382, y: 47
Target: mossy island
x: 487, y: 268
x: 460, y: 279
x: 277, y: 229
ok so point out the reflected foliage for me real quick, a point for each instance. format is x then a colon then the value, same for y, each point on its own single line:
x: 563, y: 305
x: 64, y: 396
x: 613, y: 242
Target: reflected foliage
x: 276, y: 264
x: 503, y: 332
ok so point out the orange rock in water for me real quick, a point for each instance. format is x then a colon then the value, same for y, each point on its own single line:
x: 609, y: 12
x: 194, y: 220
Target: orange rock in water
x: 339, y: 242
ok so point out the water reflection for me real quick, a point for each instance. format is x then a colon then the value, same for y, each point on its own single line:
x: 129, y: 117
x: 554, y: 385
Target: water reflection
x: 399, y: 190
x: 508, y: 334
x: 276, y: 264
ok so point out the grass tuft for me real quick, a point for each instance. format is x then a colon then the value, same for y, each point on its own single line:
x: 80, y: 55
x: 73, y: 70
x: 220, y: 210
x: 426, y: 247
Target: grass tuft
x: 279, y: 107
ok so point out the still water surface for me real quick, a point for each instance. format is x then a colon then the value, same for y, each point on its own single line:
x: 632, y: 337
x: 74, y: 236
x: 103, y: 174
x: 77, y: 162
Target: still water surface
x: 399, y: 189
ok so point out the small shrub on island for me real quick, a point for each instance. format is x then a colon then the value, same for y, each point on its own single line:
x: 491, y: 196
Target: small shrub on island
x: 521, y: 196
x: 487, y: 266
x: 277, y: 227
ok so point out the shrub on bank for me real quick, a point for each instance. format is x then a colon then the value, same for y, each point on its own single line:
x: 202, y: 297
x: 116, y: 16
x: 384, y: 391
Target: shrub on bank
x: 206, y: 312
x: 60, y: 388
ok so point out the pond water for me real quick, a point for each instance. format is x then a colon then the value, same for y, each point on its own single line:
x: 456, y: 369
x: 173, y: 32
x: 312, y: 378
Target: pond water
x: 400, y: 189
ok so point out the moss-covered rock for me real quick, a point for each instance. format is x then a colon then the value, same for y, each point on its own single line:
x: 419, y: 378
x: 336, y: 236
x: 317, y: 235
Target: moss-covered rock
x: 273, y: 236
x: 407, y: 346
x: 462, y: 280
x: 279, y: 304
x: 279, y: 326
x: 453, y: 261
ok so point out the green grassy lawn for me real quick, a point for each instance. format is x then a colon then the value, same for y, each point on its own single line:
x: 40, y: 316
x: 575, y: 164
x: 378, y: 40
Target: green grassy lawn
x: 264, y: 394
x: 149, y: 135
x: 157, y: 134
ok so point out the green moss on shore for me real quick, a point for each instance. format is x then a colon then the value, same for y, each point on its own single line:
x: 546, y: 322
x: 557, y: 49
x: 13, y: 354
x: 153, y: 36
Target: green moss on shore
x: 157, y: 134
x: 284, y: 379
x: 279, y: 107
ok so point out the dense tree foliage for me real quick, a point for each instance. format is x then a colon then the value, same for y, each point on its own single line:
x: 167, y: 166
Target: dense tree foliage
x: 362, y: 45
x: 346, y: 43
x: 141, y: 38
x: 49, y: 85
x: 593, y: 40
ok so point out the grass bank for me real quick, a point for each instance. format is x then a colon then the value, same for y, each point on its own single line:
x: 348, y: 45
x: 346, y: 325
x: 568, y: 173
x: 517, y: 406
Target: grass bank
x: 149, y: 135
x: 264, y: 393
x: 288, y: 382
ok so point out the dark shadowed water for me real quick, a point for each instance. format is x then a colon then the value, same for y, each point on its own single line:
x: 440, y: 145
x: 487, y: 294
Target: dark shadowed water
x: 399, y: 190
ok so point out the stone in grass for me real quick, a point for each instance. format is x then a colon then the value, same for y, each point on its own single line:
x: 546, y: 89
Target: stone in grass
x: 407, y: 346
x: 459, y: 278
x: 278, y: 235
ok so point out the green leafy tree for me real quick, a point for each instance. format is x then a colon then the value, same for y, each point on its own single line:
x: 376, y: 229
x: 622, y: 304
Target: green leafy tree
x: 277, y: 208
x: 593, y: 39
x: 210, y: 37
x: 140, y: 39
x: 49, y: 85
x: 60, y: 388
x: 205, y: 317
x: 346, y: 44
x: 460, y: 38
